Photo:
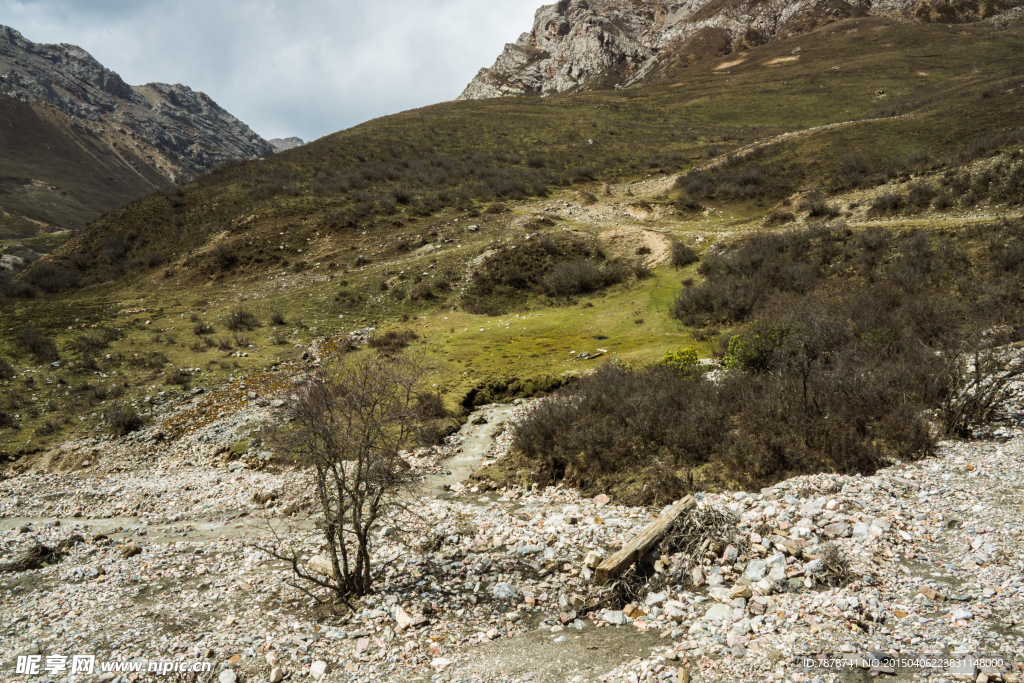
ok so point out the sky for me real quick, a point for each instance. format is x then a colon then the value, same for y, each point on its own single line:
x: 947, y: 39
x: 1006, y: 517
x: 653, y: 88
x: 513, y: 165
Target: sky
x: 302, y: 68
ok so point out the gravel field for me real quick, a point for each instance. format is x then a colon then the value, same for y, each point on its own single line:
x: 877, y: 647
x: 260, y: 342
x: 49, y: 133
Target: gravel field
x: 485, y: 585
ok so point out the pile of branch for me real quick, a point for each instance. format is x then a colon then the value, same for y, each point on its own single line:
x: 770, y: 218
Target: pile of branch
x: 700, y: 534
x: 835, y: 568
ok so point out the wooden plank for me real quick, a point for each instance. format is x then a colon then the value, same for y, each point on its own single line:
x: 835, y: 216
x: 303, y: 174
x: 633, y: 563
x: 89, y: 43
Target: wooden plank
x: 641, y: 543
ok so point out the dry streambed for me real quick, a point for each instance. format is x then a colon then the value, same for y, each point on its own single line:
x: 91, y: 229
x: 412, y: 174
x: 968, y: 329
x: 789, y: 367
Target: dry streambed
x: 487, y: 576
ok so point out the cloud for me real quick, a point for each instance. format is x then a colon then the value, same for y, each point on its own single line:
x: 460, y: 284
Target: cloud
x: 306, y: 68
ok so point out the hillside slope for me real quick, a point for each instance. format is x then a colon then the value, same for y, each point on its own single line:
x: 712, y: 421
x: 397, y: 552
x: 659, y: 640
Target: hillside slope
x: 76, y: 140
x: 588, y: 44
x: 451, y: 220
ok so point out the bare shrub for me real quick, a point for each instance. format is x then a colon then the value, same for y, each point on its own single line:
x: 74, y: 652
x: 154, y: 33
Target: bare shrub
x: 241, y: 318
x: 124, y: 420
x: 682, y: 255
x: 392, y: 341
x: 776, y: 218
x: 201, y: 328
x: 886, y: 203
x: 349, y: 425
x: 7, y: 370
x: 180, y: 378
x: 43, y: 348
x: 582, y: 276
x: 978, y: 385
x: 277, y: 318
x: 818, y: 206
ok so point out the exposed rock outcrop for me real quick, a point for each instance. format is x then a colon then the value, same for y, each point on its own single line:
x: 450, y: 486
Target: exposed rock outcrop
x: 175, y: 130
x: 282, y: 144
x: 577, y: 44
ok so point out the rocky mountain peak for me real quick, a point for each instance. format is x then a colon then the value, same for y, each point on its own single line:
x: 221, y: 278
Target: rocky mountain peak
x: 577, y: 44
x: 179, y: 132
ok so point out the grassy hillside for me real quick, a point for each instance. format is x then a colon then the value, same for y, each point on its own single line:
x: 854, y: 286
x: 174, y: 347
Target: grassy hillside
x: 436, y: 221
x: 55, y: 177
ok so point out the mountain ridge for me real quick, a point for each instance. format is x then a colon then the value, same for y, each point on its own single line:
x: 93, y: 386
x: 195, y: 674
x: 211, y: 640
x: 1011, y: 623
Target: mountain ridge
x: 598, y: 44
x: 126, y: 140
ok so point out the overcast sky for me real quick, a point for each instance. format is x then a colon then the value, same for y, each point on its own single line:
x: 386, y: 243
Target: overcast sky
x: 299, y: 67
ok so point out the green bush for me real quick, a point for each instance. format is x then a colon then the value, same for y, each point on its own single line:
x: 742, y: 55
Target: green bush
x: 685, y: 362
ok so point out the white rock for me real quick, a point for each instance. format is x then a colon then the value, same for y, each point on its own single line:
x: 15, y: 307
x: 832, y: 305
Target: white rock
x: 321, y: 565
x: 440, y: 663
x: 317, y: 670
x: 227, y: 676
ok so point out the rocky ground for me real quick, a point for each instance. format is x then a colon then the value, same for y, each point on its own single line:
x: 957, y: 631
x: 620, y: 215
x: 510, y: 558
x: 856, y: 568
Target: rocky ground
x: 170, y: 565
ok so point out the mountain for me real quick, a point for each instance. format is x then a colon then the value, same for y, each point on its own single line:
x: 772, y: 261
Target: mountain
x: 282, y: 144
x: 76, y: 140
x: 577, y: 44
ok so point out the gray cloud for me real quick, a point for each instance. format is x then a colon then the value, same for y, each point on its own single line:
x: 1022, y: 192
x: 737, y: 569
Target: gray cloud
x: 305, y: 68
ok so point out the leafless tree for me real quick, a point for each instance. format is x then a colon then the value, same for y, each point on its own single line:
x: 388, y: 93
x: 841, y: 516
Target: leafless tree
x: 349, y: 425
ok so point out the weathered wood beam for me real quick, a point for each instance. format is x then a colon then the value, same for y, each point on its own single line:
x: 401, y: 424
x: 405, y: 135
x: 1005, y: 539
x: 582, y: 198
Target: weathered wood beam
x: 641, y: 543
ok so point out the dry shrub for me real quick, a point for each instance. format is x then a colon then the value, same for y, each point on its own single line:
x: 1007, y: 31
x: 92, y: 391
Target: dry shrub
x: 7, y: 370
x: 180, y: 378
x: 392, y: 341
x: 124, y: 420
x: 43, y: 348
x: 835, y: 568
x: 611, y: 429
x: 697, y: 531
x: 582, y: 276
x: 682, y: 254
x: 240, y: 319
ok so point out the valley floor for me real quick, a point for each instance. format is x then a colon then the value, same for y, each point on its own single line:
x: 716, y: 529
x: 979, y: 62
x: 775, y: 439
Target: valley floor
x: 491, y: 586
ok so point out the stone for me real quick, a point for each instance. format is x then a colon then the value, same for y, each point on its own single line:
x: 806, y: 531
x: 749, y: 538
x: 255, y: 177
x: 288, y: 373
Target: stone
x: 592, y: 560
x: 130, y: 550
x: 755, y: 569
x: 276, y: 675
x: 600, y: 500
x: 320, y: 564
x: 675, y: 610
x: 836, y: 530
x: 718, y: 612
x: 440, y: 663
x: 403, y: 619
x: 697, y: 576
x: 615, y: 617
x: 740, y: 591
x: 317, y: 670
x: 227, y: 676
x: 503, y: 591
x: 655, y: 599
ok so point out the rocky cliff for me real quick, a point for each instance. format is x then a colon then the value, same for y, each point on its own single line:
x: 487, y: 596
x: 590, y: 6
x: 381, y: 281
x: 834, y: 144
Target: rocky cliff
x: 578, y: 44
